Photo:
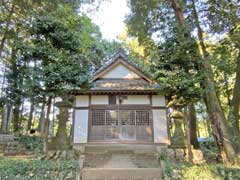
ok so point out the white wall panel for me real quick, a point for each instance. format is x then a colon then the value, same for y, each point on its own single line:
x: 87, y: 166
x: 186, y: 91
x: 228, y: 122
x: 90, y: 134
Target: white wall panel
x: 82, y: 101
x: 158, y: 100
x: 99, y: 99
x: 160, y: 126
x: 120, y: 71
x: 80, y: 126
x: 136, y: 99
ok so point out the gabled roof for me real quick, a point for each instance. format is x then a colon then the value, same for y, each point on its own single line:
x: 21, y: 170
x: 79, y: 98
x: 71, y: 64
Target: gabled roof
x: 120, y: 58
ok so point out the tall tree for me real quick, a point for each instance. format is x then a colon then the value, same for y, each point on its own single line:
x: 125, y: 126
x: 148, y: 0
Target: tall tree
x: 220, y: 127
x: 158, y: 17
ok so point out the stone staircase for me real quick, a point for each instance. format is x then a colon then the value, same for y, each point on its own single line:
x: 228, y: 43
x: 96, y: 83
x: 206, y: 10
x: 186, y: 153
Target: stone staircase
x: 121, y: 162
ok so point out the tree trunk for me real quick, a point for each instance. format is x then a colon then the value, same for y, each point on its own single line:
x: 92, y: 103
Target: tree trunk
x: 16, y: 113
x: 220, y: 128
x: 53, y: 120
x: 46, y: 125
x: 187, y: 121
x: 235, y: 103
x: 21, y: 116
x: 6, y: 118
x: 61, y: 135
x: 6, y: 29
x: 30, y: 114
x: 192, y: 121
x: 3, y: 81
x: 15, y: 87
x: 42, y: 117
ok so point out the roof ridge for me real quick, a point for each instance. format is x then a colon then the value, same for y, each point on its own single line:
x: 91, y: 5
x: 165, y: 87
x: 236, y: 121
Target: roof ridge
x: 120, y: 54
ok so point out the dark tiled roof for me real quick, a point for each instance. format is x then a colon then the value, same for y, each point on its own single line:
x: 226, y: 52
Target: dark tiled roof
x: 120, y: 84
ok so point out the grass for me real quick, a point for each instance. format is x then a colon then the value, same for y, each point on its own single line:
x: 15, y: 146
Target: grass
x: 26, y: 169
x: 201, y: 172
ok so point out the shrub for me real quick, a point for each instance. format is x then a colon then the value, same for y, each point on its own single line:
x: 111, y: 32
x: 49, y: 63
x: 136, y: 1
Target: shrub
x: 26, y: 169
x: 210, y: 150
x: 32, y: 143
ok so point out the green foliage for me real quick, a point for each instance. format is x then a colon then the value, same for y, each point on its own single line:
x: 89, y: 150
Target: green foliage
x: 32, y: 143
x: 175, y: 70
x: 203, y: 171
x: 24, y: 169
x: 60, y: 47
x: 174, y: 57
x: 210, y: 150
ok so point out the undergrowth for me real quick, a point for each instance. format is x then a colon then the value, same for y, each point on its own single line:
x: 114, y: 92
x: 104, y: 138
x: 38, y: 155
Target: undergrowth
x: 33, y: 169
x: 186, y: 171
x: 32, y: 143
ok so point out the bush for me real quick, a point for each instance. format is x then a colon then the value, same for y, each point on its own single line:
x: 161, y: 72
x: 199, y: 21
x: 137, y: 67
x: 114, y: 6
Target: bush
x: 26, y: 169
x: 32, y: 143
x: 210, y: 150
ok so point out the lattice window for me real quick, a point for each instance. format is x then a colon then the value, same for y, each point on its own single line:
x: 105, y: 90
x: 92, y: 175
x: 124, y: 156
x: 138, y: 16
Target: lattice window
x: 127, y: 117
x: 98, y: 117
x: 142, y: 118
x: 111, y: 117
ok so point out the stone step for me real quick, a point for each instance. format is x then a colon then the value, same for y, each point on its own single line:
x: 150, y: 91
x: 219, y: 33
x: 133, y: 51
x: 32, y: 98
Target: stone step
x: 121, y: 166
x: 121, y: 160
x: 121, y: 174
x: 124, y: 148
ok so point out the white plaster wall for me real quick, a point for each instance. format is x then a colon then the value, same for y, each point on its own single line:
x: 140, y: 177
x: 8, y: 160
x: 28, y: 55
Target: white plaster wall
x: 120, y: 71
x: 160, y: 126
x: 136, y: 99
x: 82, y: 101
x: 80, y: 126
x: 99, y: 99
x: 158, y: 100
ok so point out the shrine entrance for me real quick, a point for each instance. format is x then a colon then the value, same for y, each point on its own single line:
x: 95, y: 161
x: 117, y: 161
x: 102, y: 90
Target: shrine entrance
x: 120, y: 125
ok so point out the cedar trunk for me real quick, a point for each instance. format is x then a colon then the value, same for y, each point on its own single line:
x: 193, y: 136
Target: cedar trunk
x: 6, y: 118
x: 16, y: 113
x: 42, y: 117
x: 235, y: 103
x: 187, y: 120
x: 192, y: 121
x: 46, y: 125
x: 218, y: 120
x: 61, y: 135
x: 30, y: 114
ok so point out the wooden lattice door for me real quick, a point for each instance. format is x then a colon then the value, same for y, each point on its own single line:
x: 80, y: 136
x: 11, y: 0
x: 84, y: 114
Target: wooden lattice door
x: 127, y: 125
x: 120, y: 125
x: 112, y: 128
